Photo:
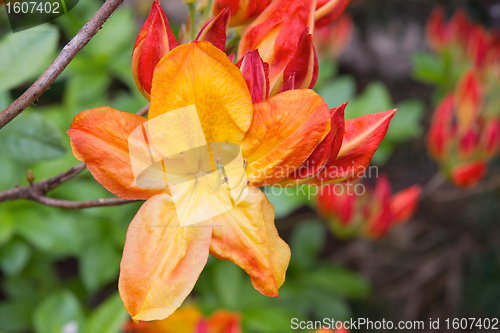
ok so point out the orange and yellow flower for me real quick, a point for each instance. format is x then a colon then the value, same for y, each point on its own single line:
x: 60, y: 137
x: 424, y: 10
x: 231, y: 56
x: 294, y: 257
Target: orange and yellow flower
x: 163, y: 258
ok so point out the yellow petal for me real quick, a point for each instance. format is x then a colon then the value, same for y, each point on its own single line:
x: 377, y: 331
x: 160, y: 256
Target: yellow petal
x: 201, y: 74
x: 246, y: 235
x: 285, y: 130
x: 161, y: 260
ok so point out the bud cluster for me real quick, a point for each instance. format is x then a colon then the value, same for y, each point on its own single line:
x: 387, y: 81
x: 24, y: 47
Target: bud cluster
x: 369, y: 214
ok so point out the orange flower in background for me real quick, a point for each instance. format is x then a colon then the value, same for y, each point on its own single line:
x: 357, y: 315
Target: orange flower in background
x: 189, y: 320
x: 465, y: 132
x: 371, y: 213
x: 154, y: 41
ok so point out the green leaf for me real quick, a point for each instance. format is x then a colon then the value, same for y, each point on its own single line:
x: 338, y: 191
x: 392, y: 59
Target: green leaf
x: 15, y: 256
x: 406, y: 122
x: 268, y: 320
x: 15, y: 316
x: 108, y: 317
x: 59, y: 312
x: 116, y: 34
x: 50, y: 230
x: 286, y: 200
x: 307, y: 242
x: 429, y: 68
x: 328, y: 70
x: 228, y: 279
x: 31, y: 138
x: 327, y: 306
x: 338, y: 91
x: 86, y: 89
x: 375, y: 98
x: 6, y: 226
x: 383, y: 153
x: 4, y: 99
x: 339, y: 281
x: 26, y: 54
x: 99, y: 264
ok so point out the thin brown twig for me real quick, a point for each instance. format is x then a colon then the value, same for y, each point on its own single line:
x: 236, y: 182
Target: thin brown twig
x: 59, y: 64
x: 432, y: 185
x: 37, y: 191
x: 458, y: 194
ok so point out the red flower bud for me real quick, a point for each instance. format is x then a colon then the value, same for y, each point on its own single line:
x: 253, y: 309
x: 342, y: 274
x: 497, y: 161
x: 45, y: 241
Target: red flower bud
x: 256, y: 74
x: 491, y: 138
x: 468, y: 174
x: 468, y: 144
x: 440, y: 133
x: 215, y: 30
x: 154, y: 41
x: 379, y: 218
x: 303, y: 66
x: 404, y: 203
x: 469, y: 99
x: 436, y: 29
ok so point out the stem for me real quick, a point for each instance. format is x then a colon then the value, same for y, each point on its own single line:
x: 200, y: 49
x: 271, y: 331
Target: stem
x: 192, y: 13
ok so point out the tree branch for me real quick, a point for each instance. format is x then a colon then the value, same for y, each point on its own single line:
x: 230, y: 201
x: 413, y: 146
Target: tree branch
x: 59, y: 64
x: 37, y: 191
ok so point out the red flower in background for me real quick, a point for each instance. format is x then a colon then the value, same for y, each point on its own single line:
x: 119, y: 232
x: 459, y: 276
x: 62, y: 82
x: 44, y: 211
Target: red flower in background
x: 464, y: 133
x: 332, y: 40
x: 371, y: 213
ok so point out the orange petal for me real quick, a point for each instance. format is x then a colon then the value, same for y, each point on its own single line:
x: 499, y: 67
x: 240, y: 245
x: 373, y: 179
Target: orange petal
x: 286, y: 129
x: 99, y: 137
x: 201, y: 74
x: 362, y: 137
x: 327, y: 150
x: 161, y: 260
x: 246, y: 235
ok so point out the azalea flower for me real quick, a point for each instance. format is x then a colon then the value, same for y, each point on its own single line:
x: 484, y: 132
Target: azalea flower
x: 161, y: 260
x: 278, y: 137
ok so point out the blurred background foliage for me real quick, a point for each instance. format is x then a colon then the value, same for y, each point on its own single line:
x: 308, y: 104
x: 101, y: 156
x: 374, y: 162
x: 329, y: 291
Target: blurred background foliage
x: 59, y: 268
